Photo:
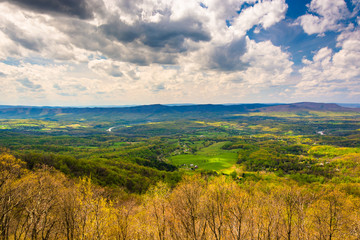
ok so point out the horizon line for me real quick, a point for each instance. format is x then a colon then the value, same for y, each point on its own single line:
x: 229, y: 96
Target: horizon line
x: 164, y: 104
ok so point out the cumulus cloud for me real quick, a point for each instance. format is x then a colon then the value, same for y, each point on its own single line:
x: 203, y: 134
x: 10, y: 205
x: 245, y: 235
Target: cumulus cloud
x: 157, y: 50
x: 161, y: 34
x: 69, y: 89
x: 268, y: 64
x: 227, y: 57
x: 106, y: 67
x: 141, y: 32
x: 79, y: 8
x: 263, y: 14
x: 22, y: 38
x: 26, y: 34
x: 324, y: 16
x: 158, y: 87
x: 26, y: 83
x: 333, y: 73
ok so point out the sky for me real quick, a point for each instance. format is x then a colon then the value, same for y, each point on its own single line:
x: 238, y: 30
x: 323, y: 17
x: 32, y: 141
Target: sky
x: 122, y: 52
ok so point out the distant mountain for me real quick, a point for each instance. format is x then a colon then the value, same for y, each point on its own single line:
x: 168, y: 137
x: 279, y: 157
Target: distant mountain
x: 138, y: 113
x: 158, y: 112
x: 349, y: 105
x: 308, y: 106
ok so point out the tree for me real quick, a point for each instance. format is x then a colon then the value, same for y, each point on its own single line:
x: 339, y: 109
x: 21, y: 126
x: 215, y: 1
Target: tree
x: 187, y: 218
x: 216, y: 203
x: 157, y: 206
x: 240, y: 221
x: 329, y: 215
x: 11, y: 170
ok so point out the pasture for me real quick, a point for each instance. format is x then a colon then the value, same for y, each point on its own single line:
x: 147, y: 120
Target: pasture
x: 209, y: 158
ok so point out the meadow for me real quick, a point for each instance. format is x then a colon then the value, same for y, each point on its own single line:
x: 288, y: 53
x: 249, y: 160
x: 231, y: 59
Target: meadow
x: 212, y: 157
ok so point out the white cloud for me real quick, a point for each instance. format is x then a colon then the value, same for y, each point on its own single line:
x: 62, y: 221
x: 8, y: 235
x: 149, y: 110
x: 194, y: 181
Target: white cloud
x: 268, y: 64
x: 325, y: 15
x: 333, y: 73
x: 26, y: 34
x: 144, y: 51
x: 27, y: 83
x: 263, y: 13
x: 142, y: 32
x: 106, y: 67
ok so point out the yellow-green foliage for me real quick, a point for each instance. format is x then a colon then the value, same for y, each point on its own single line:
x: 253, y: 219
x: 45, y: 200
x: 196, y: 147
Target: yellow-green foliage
x: 45, y: 203
x: 40, y: 124
x: 331, y: 151
x: 232, y: 125
x: 264, y: 128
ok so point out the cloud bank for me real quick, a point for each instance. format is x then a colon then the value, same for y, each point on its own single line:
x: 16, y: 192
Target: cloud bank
x: 145, y: 51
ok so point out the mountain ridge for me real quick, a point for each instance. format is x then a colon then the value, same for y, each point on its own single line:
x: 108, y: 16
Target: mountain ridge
x: 159, y: 111
x: 300, y: 106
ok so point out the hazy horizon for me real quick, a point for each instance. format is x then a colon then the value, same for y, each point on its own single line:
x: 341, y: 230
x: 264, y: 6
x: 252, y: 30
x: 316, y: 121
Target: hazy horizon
x: 350, y: 105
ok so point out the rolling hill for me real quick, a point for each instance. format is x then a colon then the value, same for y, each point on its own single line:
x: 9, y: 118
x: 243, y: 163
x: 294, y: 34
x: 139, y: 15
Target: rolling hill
x: 159, y: 112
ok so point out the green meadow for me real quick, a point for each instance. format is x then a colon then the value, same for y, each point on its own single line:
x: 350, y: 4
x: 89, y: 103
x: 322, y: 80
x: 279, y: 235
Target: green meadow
x: 209, y: 158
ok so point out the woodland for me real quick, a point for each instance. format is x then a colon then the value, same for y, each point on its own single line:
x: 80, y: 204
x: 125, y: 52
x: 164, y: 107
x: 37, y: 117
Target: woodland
x: 219, y: 174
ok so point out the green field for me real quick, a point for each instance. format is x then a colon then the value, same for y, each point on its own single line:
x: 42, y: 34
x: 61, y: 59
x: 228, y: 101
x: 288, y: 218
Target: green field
x: 209, y: 158
x: 331, y: 151
x: 41, y: 125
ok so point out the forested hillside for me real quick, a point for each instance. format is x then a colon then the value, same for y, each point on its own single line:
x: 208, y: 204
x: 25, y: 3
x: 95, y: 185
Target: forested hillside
x: 158, y: 112
x: 230, y: 175
x: 44, y: 204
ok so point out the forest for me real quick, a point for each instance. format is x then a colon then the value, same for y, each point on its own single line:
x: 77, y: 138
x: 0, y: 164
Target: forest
x: 221, y: 174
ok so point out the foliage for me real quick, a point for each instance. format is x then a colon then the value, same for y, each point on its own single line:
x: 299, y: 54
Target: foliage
x: 44, y: 204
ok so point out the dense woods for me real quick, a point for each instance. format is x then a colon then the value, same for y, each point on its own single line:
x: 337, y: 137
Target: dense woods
x: 44, y: 204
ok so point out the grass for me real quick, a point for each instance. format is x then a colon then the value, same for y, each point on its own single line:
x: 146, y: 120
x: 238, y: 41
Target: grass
x: 39, y: 125
x: 330, y: 151
x: 227, y: 125
x: 263, y: 128
x: 209, y: 158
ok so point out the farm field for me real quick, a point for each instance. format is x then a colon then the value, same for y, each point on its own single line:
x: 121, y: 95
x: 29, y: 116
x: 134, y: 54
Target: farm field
x: 209, y: 158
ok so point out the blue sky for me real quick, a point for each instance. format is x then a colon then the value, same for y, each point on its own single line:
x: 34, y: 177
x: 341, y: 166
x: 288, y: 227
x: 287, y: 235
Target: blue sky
x: 120, y: 52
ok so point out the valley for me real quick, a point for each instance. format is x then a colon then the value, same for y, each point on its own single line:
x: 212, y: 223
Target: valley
x: 144, y: 157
